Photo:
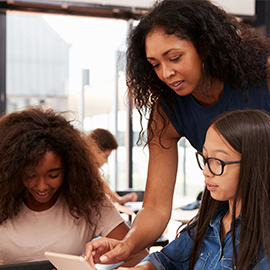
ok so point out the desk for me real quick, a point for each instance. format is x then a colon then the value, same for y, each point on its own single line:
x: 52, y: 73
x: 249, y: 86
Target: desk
x: 134, y: 206
x: 183, y: 216
x: 177, y: 214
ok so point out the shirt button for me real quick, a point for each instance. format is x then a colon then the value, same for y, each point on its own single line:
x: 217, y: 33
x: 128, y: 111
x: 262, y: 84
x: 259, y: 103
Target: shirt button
x: 201, y: 254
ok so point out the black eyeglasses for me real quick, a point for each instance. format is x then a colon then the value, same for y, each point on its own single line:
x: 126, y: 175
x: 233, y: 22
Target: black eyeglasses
x: 215, y: 165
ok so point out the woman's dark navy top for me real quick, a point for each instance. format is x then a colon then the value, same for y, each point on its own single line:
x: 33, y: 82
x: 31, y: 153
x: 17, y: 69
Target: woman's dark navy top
x: 191, y: 120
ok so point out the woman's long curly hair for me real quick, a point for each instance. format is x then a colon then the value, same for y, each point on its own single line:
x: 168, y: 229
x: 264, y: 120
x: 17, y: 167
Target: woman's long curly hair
x: 25, y: 137
x: 230, y: 52
x: 247, y: 132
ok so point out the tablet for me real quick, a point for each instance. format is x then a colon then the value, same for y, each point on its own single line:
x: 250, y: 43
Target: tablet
x: 67, y: 262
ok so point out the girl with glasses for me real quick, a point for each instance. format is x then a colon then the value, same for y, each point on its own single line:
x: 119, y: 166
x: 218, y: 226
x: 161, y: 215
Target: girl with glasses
x: 232, y: 227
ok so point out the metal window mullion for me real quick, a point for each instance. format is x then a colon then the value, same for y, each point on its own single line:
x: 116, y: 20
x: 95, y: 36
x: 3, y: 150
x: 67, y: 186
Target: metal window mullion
x: 3, y: 39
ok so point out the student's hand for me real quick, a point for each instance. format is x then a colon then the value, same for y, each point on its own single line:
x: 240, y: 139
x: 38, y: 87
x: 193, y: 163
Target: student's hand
x: 106, y: 251
x: 130, y: 197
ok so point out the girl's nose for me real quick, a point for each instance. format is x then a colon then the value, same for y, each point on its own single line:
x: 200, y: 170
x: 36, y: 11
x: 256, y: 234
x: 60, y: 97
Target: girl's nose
x: 41, y: 184
x: 206, y: 171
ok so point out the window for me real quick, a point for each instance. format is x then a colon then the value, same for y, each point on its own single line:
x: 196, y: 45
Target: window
x: 77, y: 63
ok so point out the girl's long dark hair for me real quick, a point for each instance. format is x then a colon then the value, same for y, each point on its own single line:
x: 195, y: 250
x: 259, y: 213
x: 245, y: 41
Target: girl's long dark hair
x: 25, y: 137
x: 230, y: 51
x: 248, y: 133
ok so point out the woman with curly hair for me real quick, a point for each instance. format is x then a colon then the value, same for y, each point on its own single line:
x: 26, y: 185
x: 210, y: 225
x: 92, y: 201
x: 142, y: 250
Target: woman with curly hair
x: 52, y: 197
x: 187, y: 62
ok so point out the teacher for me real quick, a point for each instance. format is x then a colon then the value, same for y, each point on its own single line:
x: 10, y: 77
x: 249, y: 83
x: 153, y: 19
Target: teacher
x: 187, y: 62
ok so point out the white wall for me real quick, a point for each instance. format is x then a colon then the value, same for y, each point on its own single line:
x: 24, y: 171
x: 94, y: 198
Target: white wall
x: 126, y: 3
x: 239, y: 7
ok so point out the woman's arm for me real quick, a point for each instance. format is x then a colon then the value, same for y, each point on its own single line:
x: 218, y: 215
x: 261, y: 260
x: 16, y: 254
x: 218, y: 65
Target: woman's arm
x: 154, y: 216
x: 152, y: 219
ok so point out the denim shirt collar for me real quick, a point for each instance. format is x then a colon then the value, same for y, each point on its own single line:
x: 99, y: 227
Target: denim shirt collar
x: 217, y: 218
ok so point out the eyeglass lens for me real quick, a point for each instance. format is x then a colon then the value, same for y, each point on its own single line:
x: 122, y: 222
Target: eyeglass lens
x: 214, y: 165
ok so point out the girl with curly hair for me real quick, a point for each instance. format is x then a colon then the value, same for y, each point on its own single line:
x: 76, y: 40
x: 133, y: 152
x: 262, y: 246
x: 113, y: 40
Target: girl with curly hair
x: 232, y: 228
x: 52, y: 197
x: 187, y: 62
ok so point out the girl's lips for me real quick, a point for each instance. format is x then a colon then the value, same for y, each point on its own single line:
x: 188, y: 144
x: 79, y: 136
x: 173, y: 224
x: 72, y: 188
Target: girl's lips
x: 211, y: 187
x: 42, y: 194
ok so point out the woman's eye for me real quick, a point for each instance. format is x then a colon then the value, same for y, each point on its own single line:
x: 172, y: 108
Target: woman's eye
x: 54, y: 176
x: 175, y: 58
x: 155, y: 66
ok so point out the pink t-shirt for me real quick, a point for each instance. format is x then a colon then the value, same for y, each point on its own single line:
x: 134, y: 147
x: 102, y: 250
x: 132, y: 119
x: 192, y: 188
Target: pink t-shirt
x: 27, y: 236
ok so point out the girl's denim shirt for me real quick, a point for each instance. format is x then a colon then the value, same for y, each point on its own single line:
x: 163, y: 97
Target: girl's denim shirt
x: 213, y: 254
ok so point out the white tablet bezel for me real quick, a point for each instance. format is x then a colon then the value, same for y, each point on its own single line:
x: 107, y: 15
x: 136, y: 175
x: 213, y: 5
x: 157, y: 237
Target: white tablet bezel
x: 67, y: 262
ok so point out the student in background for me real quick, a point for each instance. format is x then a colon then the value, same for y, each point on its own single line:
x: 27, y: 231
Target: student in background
x: 232, y: 228
x: 106, y: 143
x: 52, y: 196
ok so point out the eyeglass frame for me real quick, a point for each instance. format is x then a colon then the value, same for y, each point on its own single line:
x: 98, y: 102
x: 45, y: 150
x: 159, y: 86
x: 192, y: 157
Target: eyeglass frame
x: 222, y: 162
